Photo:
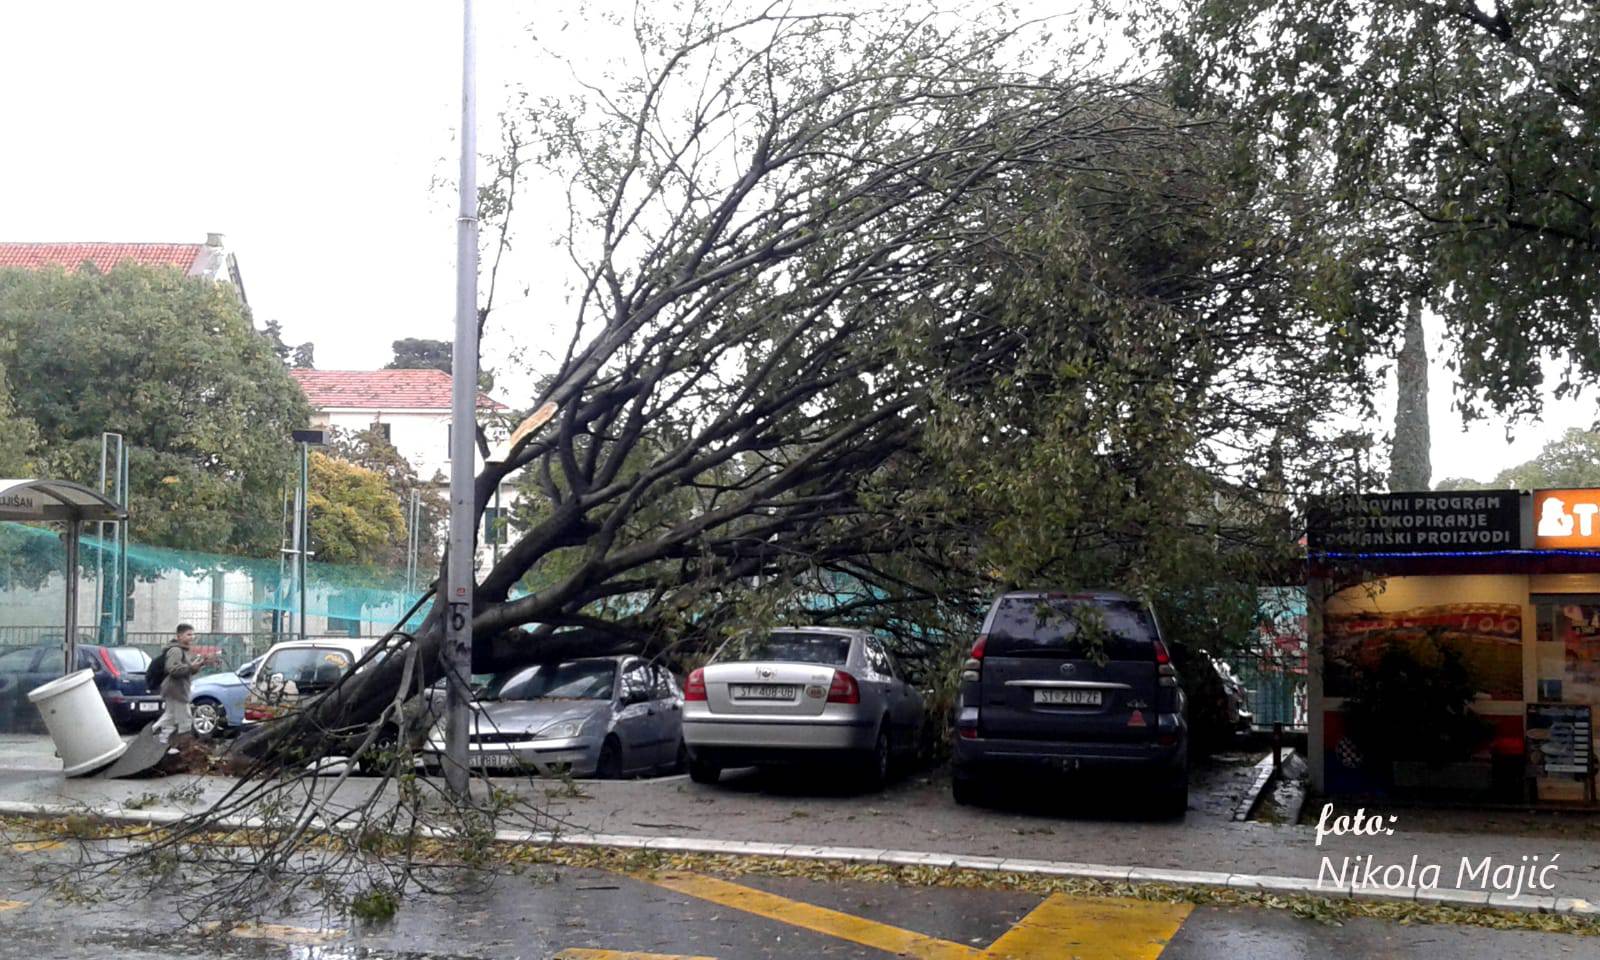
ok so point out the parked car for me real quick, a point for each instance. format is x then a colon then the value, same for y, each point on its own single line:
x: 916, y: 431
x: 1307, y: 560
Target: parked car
x: 604, y: 717
x: 1072, y: 682
x: 118, y: 673
x: 800, y: 694
x: 295, y: 671
x: 216, y: 700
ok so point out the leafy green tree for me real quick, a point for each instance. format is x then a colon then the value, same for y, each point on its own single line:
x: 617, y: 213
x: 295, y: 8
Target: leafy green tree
x: 174, y: 365
x: 353, y: 513
x: 1449, y: 144
x: 370, y: 450
x: 413, y: 353
x: 1571, y: 461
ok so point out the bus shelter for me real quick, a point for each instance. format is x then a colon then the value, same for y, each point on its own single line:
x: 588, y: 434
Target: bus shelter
x: 73, y: 505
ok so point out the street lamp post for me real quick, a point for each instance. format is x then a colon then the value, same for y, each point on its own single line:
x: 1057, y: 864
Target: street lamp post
x: 459, y: 575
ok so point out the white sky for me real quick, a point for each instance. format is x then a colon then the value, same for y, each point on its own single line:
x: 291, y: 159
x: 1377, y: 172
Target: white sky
x: 312, y: 134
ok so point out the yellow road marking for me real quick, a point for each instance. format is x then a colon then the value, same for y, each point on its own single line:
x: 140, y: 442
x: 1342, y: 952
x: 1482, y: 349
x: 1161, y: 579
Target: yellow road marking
x: 11, y: 904
x: 34, y: 846
x: 1103, y: 929
x: 1087, y: 928
x: 843, y: 926
x: 585, y: 953
x: 303, y: 936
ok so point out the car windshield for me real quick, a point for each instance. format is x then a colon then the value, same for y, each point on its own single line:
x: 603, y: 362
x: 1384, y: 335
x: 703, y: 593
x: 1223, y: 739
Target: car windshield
x: 130, y: 659
x: 308, y: 666
x: 788, y: 646
x: 572, y: 680
x: 1072, y: 626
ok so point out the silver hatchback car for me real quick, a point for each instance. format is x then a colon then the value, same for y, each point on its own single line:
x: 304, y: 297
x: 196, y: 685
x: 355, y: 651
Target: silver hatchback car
x: 799, y: 694
x: 601, y: 717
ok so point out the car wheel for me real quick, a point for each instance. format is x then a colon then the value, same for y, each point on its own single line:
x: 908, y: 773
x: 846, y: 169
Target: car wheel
x: 966, y: 791
x: 702, y: 772
x: 610, y: 766
x: 876, y: 771
x: 1172, y: 796
x: 208, y: 717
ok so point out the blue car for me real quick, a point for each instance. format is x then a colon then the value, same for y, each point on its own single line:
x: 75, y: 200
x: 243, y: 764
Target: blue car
x: 217, y: 699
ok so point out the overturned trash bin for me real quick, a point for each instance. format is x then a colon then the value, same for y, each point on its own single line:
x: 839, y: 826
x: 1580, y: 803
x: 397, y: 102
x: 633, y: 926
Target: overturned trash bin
x: 78, y: 722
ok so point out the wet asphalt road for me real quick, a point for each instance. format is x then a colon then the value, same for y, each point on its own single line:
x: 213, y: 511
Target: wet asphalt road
x: 542, y: 912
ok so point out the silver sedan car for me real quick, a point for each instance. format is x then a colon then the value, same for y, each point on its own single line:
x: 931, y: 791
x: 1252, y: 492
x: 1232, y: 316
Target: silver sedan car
x: 602, y: 717
x: 796, y: 694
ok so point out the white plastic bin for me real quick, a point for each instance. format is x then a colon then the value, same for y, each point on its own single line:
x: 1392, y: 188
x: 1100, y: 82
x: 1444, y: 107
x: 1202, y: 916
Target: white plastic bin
x: 79, y: 723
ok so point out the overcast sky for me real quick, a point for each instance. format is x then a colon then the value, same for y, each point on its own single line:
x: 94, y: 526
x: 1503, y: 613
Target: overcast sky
x: 312, y: 135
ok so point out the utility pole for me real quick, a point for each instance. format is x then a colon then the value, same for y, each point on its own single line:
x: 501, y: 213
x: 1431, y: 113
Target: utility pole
x: 302, y: 524
x: 459, y: 577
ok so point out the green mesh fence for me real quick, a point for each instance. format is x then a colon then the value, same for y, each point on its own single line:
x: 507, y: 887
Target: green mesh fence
x: 219, y: 594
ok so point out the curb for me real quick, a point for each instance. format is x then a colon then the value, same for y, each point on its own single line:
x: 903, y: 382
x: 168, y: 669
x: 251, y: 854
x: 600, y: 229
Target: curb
x: 1252, y: 796
x: 1291, y: 886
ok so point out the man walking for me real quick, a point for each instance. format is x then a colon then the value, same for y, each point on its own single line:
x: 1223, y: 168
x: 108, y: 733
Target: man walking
x: 175, y: 684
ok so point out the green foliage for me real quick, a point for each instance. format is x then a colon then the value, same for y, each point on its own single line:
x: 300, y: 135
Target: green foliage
x: 354, y: 516
x: 1571, y: 461
x: 174, y: 365
x: 371, y: 450
x: 413, y: 353
x: 1448, y: 145
x: 375, y: 905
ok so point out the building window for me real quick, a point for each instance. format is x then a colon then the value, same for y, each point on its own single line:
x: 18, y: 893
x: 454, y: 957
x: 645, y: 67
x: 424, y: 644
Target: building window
x: 383, y: 431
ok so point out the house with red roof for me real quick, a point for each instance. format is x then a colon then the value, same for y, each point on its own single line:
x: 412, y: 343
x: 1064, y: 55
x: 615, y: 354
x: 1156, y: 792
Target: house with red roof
x: 410, y: 407
x: 209, y: 260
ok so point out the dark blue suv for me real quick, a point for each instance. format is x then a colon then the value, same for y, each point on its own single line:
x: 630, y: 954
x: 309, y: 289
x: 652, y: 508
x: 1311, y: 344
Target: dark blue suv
x: 1072, y: 682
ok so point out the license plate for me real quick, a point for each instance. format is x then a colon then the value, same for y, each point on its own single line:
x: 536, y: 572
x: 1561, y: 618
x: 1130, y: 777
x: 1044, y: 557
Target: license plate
x: 1075, y: 698
x: 763, y: 691
x: 148, y: 707
x: 497, y: 760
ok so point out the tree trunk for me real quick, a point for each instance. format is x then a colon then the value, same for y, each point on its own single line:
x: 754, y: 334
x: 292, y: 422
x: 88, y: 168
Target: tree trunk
x: 1409, y: 465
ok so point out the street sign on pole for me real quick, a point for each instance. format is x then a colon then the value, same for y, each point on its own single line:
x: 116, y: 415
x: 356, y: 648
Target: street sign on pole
x: 459, y: 582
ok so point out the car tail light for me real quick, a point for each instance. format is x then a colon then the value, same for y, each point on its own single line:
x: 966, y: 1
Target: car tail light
x: 1166, y: 673
x: 111, y: 664
x: 256, y: 713
x: 844, y: 688
x: 1167, y: 740
x: 972, y: 669
x: 695, y: 687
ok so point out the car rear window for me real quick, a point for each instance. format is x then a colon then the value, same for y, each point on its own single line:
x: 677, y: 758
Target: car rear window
x: 830, y: 649
x: 130, y: 659
x: 1058, y: 626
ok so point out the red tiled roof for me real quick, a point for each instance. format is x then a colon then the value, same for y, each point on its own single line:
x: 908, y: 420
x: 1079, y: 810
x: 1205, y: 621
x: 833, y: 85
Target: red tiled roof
x: 35, y: 256
x: 380, y: 390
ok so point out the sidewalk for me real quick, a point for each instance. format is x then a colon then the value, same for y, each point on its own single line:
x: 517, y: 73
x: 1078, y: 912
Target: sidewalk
x: 917, y: 816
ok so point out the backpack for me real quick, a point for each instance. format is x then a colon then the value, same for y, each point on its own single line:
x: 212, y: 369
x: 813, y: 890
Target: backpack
x: 156, y: 674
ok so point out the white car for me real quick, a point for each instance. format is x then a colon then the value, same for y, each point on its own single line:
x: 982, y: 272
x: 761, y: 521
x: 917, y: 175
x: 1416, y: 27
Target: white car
x: 296, y: 670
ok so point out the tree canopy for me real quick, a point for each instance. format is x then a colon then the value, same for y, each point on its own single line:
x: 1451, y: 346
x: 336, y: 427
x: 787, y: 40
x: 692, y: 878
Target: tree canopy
x: 413, y: 353
x: 174, y: 365
x: 354, y: 516
x: 1571, y: 461
x: 1449, y: 144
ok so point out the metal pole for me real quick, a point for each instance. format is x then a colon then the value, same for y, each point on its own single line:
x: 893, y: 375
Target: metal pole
x: 70, y: 644
x: 123, y: 498
x: 102, y: 596
x: 463, y: 408
x: 294, y: 561
x: 303, y: 543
